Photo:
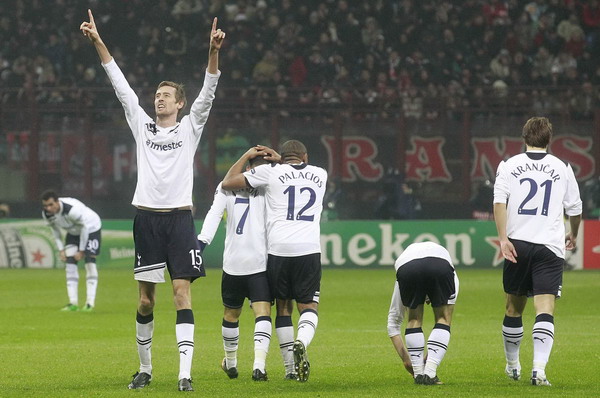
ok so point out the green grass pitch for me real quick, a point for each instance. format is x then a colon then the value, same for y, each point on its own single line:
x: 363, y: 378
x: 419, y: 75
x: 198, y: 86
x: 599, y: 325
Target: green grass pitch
x: 47, y: 353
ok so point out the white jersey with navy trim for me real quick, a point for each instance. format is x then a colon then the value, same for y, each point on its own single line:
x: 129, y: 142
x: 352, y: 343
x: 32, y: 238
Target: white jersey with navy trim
x: 538, y: 189
x: 421, y: 250
x: 165, y: 155
x: 245, y: 238
x: 74, y: 217
x: 294, y: 196
x: 396, y: 313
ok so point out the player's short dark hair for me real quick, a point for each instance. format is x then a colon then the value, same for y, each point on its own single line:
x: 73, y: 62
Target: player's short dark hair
x: 292, y: 149
x: 179, y: 92
x: 49, y: 194
x: 257, y: 161
x: 537, y: 132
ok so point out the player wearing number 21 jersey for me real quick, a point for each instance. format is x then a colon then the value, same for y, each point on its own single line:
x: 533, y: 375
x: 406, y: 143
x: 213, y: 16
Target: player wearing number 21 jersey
x: 532, y: 192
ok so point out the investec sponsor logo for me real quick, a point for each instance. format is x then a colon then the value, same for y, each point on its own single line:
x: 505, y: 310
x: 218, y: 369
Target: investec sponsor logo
x: 164, y: 147
x: 364, y: 250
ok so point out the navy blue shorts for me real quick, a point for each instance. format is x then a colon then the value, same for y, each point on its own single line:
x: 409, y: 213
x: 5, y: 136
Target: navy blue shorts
x: 431, y: 277
x: 235, y: 289
x: 92, y: 247
x: 297, y: 278
x: 537, y: 271
x: 166, y: 240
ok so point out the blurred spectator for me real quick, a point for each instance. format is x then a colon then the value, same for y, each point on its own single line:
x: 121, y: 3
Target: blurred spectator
x: 591, y: 198
x: 398, y: 200
x: 4, y: 210
x: 585, y: 102
x: 482, y: 202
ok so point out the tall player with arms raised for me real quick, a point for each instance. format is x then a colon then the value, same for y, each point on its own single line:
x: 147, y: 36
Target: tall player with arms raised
x: 532, y: 192
x: 163, y: 229
x: 294, y: 193
x: 244, y: 268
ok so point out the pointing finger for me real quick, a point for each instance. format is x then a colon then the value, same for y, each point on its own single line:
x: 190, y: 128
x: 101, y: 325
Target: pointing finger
x: 91, y: 16
x: 214, y: 24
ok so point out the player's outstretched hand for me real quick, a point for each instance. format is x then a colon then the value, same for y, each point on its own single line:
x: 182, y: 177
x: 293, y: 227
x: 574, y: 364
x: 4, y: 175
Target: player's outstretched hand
x: 570, y: 241
x: 89, y: 29
x: 216, y: 37
x: 508, y: 251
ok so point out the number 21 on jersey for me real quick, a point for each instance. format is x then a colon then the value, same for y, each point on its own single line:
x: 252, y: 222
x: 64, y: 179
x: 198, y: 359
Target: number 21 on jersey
x: 533, y: 188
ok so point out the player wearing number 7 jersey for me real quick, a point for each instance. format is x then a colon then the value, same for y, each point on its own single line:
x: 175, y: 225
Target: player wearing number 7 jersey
x: 532, y: 192
x: 244, y: 269
x: 294, y: 193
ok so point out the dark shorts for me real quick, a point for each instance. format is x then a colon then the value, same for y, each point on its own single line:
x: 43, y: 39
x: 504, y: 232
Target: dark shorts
x: 429, y: 276
x: 235, y: 289
x: 166, y: 240
x: 297, y: 278
x: 537, y: 271
x: 92, y: 247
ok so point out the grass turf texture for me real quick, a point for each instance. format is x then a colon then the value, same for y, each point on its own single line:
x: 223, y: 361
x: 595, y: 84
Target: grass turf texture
x: 45, y: 352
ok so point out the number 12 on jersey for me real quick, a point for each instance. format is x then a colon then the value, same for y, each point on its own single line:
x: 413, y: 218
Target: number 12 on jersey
x: 291, y: 191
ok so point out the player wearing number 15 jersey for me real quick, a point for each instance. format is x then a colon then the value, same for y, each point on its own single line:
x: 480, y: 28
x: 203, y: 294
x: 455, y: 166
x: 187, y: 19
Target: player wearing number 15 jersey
x: 163, y: 228
x: 532, y: 192
x: 244, y: 269
x: 294, y: 193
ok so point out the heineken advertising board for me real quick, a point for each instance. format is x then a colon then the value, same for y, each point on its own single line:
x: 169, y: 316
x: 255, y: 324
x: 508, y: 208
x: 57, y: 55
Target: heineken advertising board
x: 365, y: 244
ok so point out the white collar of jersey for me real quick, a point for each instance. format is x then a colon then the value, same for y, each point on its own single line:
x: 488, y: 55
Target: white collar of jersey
x: 168, y: 129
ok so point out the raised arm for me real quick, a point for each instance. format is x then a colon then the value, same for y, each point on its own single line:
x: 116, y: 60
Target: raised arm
x: 201, y: 106
x: 128, y: 98
x: 234, y: 179
x: 90, y: 31
x: 216, y: 40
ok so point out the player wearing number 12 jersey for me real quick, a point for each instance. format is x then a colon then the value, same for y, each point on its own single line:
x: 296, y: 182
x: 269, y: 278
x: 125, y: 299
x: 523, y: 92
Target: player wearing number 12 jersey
x: 532, y: 192
x: 244, y: 269
x: 294, y: 193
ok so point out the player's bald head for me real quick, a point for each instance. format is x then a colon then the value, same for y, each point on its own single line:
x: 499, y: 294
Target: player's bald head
x: 293, y: 149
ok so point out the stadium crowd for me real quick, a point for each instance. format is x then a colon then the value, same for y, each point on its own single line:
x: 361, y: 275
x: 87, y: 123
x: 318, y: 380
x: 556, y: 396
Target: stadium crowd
x: 419, y: 58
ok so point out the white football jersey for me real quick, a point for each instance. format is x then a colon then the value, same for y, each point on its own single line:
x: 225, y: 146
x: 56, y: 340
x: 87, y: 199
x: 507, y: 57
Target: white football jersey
x: 421, y: 250
x: 294, y: 197
x: 245, y: 238
x: 74, y: 217
x: 396, y: 313
x: 538, y: 189
x: 165, y: 155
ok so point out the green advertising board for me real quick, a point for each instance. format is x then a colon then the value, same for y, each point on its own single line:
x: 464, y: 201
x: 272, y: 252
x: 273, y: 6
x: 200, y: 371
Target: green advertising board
x: 364, y: 244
